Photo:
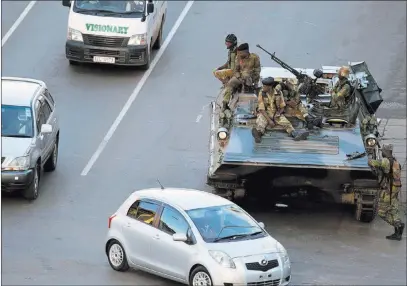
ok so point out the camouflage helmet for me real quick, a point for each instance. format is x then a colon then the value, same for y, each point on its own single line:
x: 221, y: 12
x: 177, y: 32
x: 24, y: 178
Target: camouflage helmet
x: 231, y: 38
x: 387, y: 150
x: 344, y: 72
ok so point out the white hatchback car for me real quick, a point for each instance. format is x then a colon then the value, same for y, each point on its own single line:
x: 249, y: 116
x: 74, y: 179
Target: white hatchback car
x: 195, y: 238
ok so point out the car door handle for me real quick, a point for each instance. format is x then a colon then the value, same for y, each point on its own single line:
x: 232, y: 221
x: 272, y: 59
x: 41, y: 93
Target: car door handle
x: 157, y: 236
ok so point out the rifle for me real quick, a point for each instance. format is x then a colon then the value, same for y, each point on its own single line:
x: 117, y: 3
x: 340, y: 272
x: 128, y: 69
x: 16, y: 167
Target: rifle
x: 308, y: 86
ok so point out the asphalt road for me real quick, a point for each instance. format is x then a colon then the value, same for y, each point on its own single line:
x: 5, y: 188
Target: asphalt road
x: 59, y: 238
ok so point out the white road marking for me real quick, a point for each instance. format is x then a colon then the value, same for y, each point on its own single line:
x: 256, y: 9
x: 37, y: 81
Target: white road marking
x: 17, y: 22
x: 198, y: 118
x: 200, y: 115
x: 136, y: 91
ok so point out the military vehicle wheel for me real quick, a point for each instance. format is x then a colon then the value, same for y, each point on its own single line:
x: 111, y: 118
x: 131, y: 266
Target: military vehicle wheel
x: 366, y: 211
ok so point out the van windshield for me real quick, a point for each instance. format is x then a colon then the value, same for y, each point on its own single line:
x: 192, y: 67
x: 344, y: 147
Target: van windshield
x: 130, y: 9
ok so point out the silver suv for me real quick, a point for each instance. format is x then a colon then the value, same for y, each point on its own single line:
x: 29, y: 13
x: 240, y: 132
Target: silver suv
x: 29, y: 135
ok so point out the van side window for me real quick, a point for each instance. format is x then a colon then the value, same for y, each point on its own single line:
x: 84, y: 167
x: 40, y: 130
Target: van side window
x: 49, y: 97
x: 143, y: 211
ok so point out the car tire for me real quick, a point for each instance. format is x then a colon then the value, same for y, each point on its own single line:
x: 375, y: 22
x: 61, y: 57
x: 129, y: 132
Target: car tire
x: 73, y: 63
x: 147, y: 65
x: 159, y: 40
x: 31, y: 193
x: 117, y: 256
x: 200, y: 276
x: 52, y: 161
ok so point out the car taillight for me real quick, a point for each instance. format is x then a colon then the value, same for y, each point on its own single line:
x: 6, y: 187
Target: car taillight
x: 110, y: 220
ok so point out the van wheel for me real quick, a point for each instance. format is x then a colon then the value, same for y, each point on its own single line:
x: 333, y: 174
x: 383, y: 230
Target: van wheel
x: 51, y: 163
x: 31, y: 193
x: 147, y: 65
x: 159, y: 40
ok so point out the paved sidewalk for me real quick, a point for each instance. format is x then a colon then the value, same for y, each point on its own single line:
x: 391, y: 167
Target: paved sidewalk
x: 394, y: 132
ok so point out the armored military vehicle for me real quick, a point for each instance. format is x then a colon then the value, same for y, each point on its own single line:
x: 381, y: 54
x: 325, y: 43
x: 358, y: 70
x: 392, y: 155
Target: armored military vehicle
x: 332, y: 164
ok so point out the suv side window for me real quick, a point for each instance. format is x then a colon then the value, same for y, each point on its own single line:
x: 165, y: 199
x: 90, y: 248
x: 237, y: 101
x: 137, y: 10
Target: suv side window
x: 46, y: 110
x: 49, y: 97
x: 172, y: 221
x: 143, y: 211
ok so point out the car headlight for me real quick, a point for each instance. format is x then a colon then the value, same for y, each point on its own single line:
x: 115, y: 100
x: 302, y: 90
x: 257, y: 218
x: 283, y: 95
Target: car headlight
x: 74, y: 35
x: 283, y: 253
x: 18, y: 164
x: 222, y: 258
x: 371, y: 142
x: 222, y: 133
x: 136, y: 40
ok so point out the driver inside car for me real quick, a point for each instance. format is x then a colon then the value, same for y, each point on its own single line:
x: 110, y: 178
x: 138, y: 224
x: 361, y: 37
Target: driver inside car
x: 212, y: 224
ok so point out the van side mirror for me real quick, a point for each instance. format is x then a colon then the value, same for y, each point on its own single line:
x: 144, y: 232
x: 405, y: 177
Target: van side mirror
x: 150, y: 8
x: 66, y: 3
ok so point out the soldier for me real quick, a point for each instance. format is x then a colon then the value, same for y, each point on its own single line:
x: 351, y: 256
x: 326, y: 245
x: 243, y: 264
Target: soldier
x: 391, y: 184
x: 294, y: 106
x: 225, y: 72
x: 270, y: 108
x: 341, y: 90
x: 246, y: 71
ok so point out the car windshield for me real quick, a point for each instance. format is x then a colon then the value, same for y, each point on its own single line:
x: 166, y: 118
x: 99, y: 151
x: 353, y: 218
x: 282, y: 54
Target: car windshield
x: 16, y: 121
x: 224, y: 223
x: 111, y: 8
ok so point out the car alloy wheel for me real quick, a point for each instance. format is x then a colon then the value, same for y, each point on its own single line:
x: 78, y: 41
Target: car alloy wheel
x: 116, y: 255
x: 201, y: 279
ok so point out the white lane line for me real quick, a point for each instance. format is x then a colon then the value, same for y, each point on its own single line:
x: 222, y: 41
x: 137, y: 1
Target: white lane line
x: 136, y: 91
x: 17, y: 22
x: 200, y: 115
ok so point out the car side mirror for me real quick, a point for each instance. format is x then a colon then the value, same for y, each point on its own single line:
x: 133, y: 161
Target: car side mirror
x: 46, y: 128
x: 150, y: 8
x: 261, y: 224
x: 66, y: 3
x: 180, y: 237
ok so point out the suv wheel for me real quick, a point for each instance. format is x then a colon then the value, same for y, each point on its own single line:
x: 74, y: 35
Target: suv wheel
x: 51, y: 163
x: 31, y: 193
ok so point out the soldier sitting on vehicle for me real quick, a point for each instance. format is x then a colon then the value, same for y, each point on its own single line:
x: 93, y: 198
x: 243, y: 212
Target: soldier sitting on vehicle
x: 388, y: 208
x: 341, y: 90
x: 246, y: 72
x: 270, y: 108
x: 294, y: 106
x: 225, y: 71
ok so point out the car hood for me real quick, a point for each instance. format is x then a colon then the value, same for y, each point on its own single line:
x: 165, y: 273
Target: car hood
x: 243, y: 248
x: 14, y: 147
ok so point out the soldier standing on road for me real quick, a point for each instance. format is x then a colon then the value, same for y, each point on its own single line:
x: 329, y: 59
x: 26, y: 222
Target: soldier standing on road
x: 390, y: 183
x: 246, y: 71
x: 294, y: 106
x: 341, y: 90
x: 270, y: 108
x: 225, y: 72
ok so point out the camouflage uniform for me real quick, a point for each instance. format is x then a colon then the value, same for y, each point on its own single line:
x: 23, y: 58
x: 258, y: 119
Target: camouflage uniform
x: 341, y: 90
x: 246, y: 71
x: 225, y: 72
x: 271, y: 101
x: 388, y: 208
x: 290, y: 94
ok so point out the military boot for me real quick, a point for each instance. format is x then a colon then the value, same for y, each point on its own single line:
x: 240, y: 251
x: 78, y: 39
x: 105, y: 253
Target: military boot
x: 299, y: 135
x: 256, y: 135
x: 398, y: 232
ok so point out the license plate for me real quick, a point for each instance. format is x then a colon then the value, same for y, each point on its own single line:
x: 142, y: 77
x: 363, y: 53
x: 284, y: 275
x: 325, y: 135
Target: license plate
x: 107, y: 60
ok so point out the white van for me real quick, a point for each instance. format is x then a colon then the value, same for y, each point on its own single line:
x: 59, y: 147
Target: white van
x: 114, y: 32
